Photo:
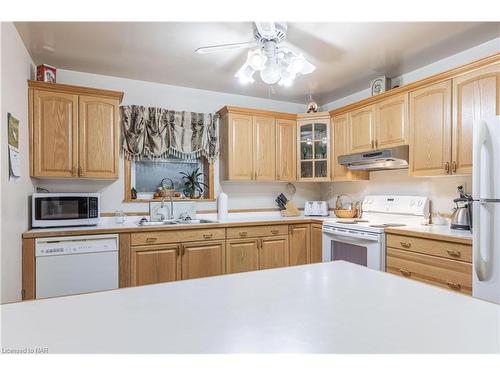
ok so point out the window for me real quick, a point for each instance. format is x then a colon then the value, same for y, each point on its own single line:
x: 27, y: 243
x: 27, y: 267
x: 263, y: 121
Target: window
x: 147, y: 175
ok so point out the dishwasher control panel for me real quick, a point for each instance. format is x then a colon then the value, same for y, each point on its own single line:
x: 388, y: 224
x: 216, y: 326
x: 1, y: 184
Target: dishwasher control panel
x: 76, y: 245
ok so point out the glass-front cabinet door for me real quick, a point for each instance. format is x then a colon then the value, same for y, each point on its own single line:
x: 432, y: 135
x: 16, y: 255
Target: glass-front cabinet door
x: 314, y: 148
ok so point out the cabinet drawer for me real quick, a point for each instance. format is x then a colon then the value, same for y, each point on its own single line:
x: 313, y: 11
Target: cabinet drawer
x: 175, y: 236
x: 443, y: 249
x: 450, y: 274
x: 258, y: 231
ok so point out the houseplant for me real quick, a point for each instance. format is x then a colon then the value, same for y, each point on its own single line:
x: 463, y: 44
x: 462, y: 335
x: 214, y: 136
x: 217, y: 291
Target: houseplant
x: 193, y: 187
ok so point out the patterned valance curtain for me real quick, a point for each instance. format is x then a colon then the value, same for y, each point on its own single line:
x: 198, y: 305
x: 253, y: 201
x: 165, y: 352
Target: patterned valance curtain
x: 159, y: 133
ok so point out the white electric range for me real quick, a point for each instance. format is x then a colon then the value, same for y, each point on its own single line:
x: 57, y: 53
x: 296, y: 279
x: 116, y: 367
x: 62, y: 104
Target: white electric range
x: 362, y: 241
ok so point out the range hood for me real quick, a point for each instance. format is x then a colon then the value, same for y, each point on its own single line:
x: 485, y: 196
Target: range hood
x: 379, y: 160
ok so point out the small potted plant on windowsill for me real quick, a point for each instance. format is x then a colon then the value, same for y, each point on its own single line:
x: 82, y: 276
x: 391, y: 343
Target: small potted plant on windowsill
x: 193, y: 187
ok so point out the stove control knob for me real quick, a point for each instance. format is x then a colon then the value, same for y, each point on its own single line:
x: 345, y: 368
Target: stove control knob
x: 419, y: 204
x: 412, y: 203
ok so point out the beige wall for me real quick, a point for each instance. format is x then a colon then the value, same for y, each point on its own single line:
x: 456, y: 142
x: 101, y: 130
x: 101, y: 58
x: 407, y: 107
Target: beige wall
x: 16, y: 70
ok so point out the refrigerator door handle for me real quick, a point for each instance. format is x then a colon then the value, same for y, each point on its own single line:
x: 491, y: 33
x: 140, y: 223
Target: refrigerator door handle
x: 482, y: 242
x: 479, y: 139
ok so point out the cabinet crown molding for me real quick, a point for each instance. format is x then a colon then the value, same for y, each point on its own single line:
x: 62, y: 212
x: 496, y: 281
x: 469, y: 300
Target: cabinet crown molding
x: 77, y: 90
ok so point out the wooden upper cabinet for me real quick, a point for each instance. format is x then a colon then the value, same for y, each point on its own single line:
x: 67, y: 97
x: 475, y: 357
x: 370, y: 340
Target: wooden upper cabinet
x: 99, y: 137
x: 300, y: 244
x: 391, y: 122
x: 240, y: 147
x: 202, y: 259
x: 73, y: 131
x: 361, y: 127
x: 316, y: 243
x: 264, y: 145
x: 286, y: 150
x: 242, y: 255
x: 340, y: 146
x: 313, y: 147
x: 153, y: 266
x: 430, y: 127
x: 476, y: 95
x: 273, y: 252
x: 54, y: 132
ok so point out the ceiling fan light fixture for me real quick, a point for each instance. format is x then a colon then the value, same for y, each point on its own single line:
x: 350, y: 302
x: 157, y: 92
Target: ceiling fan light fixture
x: 245, y: 74
x: 297, y: 63
x: 271, y: 73
x: 256, y: 59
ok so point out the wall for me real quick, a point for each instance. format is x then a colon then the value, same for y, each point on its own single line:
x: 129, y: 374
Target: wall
x: 16, y: 70
x: 241, y: 195
x: 441, y: 190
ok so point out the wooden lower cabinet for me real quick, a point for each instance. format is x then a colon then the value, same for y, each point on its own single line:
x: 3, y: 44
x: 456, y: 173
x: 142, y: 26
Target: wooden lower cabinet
x: 242, y: 255
x: 450, y: 274
x: 202, y: 259
x: 300, y: 244
x: 273, y: 252
x: 155, y: 265
x: 316, y: 243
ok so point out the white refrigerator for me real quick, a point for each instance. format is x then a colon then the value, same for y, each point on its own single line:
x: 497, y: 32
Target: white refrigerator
x: 486, y: 209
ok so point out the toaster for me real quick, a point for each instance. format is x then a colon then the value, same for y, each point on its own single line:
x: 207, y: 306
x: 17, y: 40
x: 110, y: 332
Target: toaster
x: 316, y: 208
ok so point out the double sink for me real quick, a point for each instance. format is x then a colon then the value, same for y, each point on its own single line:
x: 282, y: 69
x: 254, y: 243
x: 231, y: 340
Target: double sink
x: 146, y: 223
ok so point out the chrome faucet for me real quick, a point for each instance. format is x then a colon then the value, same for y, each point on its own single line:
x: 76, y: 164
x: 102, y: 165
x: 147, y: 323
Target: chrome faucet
x: 171, y: 213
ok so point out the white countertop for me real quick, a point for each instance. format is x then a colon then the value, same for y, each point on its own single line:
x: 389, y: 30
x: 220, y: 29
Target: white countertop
x: 442, y: 230
x: 108, y: 223
x: 320, y: 308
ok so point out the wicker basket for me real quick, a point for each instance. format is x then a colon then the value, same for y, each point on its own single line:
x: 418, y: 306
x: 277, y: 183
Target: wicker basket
x: 345, y: 213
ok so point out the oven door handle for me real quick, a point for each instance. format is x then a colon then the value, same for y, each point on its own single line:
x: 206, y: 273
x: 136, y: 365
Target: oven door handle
x: 351, y: 236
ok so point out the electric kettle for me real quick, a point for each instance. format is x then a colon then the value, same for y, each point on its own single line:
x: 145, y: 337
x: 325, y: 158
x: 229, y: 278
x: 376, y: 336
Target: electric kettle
x: 461, y: 217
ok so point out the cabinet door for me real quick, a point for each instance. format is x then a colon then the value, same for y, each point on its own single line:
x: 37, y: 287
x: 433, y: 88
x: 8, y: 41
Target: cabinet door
x: 240, y: 147
x: 475, y: 95
x: 55, y: 134
x: 430, y: 127
x: 286, y: 150
x: 361, y: 129
x: 340, y: 146
x: 300, y: 245
x: 391, y: 122
x: 201, y: 259
x: 99, y: 137
x: 242, y: 255
x: 273, y: 252
x: 264, y: 148
x: 155, y: 265
x: 316, y: 243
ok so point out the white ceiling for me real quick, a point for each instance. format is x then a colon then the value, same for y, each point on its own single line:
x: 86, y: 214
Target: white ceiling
x: 347, y: 55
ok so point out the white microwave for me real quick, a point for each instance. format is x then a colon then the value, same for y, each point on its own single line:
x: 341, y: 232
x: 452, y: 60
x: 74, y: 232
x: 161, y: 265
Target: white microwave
x: 65, y: 209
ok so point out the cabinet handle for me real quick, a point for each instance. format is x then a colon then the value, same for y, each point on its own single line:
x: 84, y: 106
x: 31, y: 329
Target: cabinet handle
x: 453, y: 285
x: 242, y: 234
x: 208, y: 236
x: 376, y: 143
x: 290, y: 229
x: 80, y: 171
x: 453, y: 253
x: 178, y: 251
x: 151, y: 239
x: 373, y: 143
x: 447, y: 167
x: 73, y: 171
x: 275, y: 231
x: 406, y: 245
x: 260, y: 243
x: 183, y: 250
x: 453, y: 167
x: 404, y: 272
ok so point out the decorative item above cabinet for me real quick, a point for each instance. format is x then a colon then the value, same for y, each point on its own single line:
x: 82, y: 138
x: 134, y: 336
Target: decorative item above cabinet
x: 73, y: 131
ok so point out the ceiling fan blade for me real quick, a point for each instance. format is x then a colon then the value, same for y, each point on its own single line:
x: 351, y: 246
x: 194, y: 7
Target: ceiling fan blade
x: 267, y: 30
x: 224, y: 47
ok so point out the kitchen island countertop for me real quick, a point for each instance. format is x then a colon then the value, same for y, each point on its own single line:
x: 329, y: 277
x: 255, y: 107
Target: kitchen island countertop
x: 334, y: 307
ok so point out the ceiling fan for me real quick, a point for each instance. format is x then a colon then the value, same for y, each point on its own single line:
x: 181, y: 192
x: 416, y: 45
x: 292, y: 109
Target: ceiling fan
x: 276, y: 62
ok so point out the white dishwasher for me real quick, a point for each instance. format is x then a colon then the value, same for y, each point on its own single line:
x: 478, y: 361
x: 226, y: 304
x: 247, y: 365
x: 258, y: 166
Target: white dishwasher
x: 77, y: 264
